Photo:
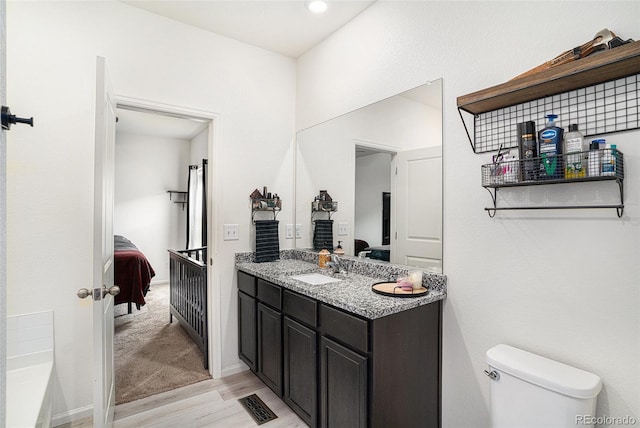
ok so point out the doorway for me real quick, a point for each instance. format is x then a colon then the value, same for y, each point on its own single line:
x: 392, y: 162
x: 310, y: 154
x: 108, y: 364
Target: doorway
x: 155, y: 146
x: 372, y: 224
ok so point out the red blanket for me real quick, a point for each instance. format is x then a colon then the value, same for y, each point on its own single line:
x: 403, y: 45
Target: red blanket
x: 133, y: 273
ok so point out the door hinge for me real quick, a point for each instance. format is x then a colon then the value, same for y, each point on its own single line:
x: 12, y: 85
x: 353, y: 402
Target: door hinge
x: 396, y: 170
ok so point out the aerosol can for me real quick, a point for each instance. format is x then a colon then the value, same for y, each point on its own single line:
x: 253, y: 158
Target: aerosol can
x: 550, y: 150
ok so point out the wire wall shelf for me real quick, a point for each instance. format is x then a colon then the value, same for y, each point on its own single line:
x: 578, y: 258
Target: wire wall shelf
x: 598, y: 109
x: 555, y: 170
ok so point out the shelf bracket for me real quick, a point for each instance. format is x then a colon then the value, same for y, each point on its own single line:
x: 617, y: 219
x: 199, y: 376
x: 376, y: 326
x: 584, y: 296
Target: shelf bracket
x: 620, y: 209
x: 494, y: 196
x: 473, y: 147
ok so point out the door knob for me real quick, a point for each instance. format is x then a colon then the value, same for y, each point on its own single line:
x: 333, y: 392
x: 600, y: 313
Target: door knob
x: 83, y: 293
x: 9, y: 119
x: 115, y: 290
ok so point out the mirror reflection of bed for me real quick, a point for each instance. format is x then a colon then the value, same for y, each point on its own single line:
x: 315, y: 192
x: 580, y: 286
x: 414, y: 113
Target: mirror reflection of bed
x: 157, y: 158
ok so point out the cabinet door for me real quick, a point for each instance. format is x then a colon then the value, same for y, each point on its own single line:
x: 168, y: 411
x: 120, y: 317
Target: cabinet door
x: 247, y: 339
x: 300, y: 362
x: 343, y: 386
x: 270, y: 348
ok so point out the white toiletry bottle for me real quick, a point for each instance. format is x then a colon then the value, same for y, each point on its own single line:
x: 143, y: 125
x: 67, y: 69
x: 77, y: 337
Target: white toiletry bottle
x: 594, y: 166
x: 573, y: 148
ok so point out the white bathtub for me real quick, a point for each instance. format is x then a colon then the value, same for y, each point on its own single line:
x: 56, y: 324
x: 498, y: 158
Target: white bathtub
x: 30, y: 369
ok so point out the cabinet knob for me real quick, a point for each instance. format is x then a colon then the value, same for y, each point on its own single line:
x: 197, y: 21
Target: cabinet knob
x: 9, y: 119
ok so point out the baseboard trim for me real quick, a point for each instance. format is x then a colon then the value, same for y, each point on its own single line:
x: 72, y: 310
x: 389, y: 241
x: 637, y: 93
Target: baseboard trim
x: 73, y: 415
x: 239, y: 367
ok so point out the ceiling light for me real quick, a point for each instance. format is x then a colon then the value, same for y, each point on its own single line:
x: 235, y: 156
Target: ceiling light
x: 317, y: 6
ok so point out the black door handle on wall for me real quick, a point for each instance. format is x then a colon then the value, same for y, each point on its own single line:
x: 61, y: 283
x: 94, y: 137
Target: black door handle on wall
x: 8, y: 119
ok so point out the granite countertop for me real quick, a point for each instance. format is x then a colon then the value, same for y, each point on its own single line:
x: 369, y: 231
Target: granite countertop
x: 353, y: 292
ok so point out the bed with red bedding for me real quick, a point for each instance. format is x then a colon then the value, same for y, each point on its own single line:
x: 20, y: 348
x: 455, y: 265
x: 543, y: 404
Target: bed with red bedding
x: 132, y: 272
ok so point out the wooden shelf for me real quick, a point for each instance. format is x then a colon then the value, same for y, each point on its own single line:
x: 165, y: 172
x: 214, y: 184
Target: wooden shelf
x: 598, y: 68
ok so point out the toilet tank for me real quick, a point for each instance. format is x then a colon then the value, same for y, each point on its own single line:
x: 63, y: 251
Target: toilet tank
x: 530, y: 391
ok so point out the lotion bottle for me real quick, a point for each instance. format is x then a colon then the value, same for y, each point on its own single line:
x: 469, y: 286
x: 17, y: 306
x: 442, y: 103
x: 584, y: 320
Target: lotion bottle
x: 550, y: 150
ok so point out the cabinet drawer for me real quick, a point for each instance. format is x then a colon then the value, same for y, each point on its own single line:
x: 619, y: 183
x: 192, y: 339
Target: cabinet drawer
x: 270, y: 294
x: 247, y: 283
x: 301, y: 308
x: 347, y: 328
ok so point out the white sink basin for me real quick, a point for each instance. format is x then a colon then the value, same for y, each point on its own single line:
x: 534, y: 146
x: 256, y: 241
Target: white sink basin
x: 315, y: 278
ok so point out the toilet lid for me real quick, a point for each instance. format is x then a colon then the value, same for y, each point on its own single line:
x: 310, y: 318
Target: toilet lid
x: 544, y: 372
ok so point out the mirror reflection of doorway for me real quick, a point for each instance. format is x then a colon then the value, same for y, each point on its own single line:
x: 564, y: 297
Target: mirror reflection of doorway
x: 386, y: 218
x: 372, y: 224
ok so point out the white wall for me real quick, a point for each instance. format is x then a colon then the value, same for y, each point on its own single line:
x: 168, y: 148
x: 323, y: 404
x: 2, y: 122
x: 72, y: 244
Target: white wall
x: 146, y: 167
x: 199, y: 147
x: 559, y: 283
x: 52, y: 48
x: 373, y: 176
x: 3, y: 220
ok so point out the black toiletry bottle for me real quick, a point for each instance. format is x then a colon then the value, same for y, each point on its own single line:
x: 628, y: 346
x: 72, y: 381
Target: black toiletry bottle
x: 528, y: 150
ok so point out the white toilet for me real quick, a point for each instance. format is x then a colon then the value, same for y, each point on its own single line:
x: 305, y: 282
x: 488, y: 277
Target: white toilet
x: 530, y: 391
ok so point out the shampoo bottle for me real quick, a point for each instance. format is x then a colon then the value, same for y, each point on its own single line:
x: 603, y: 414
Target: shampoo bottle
x: 550, y: 150
x: 573, y: 148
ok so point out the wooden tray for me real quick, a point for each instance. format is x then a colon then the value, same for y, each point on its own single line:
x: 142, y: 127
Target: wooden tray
x: 389, y: 289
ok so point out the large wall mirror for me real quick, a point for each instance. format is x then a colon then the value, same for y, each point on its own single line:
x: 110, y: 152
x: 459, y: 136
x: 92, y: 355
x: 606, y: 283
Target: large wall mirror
x: 382, y: 164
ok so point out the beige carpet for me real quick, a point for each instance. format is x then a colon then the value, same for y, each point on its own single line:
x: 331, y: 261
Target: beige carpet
x: 151, y: 355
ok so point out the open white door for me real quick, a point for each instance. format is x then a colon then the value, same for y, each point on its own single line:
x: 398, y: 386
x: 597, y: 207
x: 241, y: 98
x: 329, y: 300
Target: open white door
x: 416, y: 206
x: 103, y: 302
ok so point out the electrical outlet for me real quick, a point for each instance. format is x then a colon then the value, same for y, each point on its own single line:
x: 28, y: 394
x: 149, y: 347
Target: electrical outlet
x: 231, y: 232
x: 343, y: 229
x: 298, y: 231
x: 289, y: 231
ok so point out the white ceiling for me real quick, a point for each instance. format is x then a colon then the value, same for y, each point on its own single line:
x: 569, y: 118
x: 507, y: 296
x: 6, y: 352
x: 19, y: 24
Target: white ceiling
x: 157, y: 125
x: 283, y: 26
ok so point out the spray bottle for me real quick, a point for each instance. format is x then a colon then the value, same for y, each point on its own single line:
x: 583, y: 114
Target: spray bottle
x: 550, y: 150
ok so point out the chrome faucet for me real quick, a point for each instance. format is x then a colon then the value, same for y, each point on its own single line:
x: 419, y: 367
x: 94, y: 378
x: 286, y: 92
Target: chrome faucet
x: 336, y: 264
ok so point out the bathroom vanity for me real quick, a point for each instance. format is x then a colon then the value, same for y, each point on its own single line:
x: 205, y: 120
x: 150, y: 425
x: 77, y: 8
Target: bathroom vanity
x: 337, y: 353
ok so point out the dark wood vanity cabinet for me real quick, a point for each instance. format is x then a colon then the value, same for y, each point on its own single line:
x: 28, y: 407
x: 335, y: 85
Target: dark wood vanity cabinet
x: 270, y: 347
x: 247, y: 327
x: 343, y: 386
x: 300, y: 370
x: 336, y: 369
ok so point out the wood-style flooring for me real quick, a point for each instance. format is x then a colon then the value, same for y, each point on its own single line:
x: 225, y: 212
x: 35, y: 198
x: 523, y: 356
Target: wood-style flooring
x: 210, y: 403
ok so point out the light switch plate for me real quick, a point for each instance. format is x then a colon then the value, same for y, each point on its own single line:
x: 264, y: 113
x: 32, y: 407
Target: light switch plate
x: 298, y: 231
x: 343, y: 228
x: 231, y: 232
x: 289, y: 231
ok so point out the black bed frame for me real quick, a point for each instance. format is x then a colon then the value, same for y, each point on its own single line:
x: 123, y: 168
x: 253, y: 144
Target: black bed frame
x: 188, y: 294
